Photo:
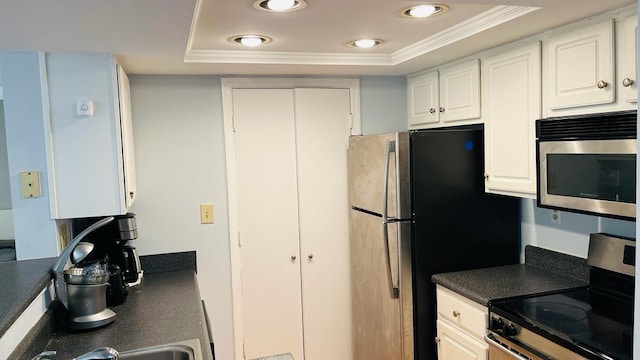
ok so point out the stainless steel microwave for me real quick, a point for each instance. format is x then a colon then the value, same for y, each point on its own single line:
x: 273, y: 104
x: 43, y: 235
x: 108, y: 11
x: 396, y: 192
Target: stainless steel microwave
x: 587, y: 164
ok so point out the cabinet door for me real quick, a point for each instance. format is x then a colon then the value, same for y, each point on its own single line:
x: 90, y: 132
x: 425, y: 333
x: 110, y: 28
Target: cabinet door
x: 512, y: 103
x: 460, y: 92
x: 87, y: 175
x: 580, y: 67
x: 126, y: 129
x: 268, y: 222
x: 453, y: 344
x: 627, y: 79
x: 322, y: 139
x: 423, y: 99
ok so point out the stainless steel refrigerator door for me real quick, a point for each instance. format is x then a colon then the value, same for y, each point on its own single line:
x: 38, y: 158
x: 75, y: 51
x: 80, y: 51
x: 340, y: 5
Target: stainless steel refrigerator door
x: 379, y: 174
x: 382, y: 323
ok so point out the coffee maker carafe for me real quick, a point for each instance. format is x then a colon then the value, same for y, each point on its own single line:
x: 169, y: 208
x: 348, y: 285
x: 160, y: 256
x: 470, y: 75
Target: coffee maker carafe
x: 123, y: 254
x: 113, y: 243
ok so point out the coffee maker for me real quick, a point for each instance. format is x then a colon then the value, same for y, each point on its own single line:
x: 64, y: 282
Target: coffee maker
x: 113, y: 244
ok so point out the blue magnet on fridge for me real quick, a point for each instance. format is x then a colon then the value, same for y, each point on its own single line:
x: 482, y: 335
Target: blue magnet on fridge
x: 468, y: 145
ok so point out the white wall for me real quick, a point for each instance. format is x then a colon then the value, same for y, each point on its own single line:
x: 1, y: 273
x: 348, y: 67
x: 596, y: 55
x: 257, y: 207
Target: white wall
x: 25, y: 113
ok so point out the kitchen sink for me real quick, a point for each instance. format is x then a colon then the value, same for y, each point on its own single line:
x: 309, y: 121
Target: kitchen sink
x: 183, y: 350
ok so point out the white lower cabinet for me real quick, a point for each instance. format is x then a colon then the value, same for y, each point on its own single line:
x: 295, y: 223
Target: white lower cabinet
x: 512, y: 103
x: 461, y: 326
x: 454, y: 344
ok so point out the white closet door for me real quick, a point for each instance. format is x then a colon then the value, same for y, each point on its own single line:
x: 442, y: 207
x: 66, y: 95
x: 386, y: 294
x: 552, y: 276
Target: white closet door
x: 268, y: 221
x: 322, y: 138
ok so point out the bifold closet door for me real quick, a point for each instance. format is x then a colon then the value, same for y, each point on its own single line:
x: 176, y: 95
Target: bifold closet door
x: 293, y: 218
x: 322, y: 139
x: 268, y: 222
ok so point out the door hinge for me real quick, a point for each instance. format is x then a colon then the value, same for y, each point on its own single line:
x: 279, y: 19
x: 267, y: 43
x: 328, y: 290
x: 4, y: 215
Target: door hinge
x: 350, y: 121
x: 239, y: 243
x: 244, y: 349
x: 233, y: 122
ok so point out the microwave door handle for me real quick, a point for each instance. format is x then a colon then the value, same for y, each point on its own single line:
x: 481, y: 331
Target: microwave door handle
x: 391, y: 148
x: 395, y: 284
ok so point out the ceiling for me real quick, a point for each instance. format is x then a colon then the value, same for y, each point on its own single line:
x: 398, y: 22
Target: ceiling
x: 190, y: 36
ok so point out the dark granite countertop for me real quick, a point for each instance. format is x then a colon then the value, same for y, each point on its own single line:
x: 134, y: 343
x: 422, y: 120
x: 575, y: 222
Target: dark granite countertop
x: 21, y: 282
x: 165, y: 308
x: 544, y: 270
x: 482, y: 285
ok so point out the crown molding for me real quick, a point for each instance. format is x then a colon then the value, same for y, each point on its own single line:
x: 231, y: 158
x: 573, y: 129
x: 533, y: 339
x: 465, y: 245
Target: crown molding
x: 289, y: 58
x: 472, y: 26
x: 484, y: 21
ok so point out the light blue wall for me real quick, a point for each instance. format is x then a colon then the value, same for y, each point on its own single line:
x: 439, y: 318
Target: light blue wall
x: 35, y: 232
x: 383, y: 104
x: 571, y: 235
x: 5, y: 189
x: 180, y: 163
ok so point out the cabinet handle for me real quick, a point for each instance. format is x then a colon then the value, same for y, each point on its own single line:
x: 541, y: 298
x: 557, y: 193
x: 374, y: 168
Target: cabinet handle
x: 627, y: 82
x: 602, y: 84
x: 293, y: 258
x: 432, y: 110
x: 486, y: 177
x: 310, y: 256
x: 456, y: 313
x: 131, y: 194
x: 441, y: 109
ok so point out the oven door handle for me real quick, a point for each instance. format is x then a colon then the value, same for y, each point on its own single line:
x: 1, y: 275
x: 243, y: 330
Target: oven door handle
x: 512, y: 354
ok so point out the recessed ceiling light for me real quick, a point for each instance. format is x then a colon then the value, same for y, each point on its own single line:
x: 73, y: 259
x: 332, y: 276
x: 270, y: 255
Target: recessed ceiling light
x: 279, y: 5
x: 421, y: 11
x: 365, y: 43
x: 250, y: 40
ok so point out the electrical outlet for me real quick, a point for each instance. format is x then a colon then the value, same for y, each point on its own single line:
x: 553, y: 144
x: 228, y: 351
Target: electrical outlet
x: 206, y: 213
x: 555, y: 217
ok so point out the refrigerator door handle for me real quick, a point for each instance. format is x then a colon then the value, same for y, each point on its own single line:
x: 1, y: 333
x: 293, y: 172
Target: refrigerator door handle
x: 391, y: 148
x: 395, y: 281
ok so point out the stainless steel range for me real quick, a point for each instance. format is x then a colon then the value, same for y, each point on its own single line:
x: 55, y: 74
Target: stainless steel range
x: 591, y: 322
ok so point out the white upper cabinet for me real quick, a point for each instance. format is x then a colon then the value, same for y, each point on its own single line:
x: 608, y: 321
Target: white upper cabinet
x: 580, y: 67
x: 626, y: 34
x: 445, y: 97
x: 90, y: 157
x: 424, y: 99
x: 126, y: 128
x: 511, y: 89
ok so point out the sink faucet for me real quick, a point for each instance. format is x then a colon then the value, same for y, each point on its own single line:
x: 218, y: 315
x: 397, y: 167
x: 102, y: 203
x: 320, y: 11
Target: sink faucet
x: 45, y: 355
x: 103, y: 353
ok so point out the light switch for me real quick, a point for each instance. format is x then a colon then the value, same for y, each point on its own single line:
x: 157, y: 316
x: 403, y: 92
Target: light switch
x: 30, y: 184
x: 206, y: 213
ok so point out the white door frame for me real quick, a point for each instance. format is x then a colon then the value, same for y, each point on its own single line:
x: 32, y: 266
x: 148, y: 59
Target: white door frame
x: 227, y: 85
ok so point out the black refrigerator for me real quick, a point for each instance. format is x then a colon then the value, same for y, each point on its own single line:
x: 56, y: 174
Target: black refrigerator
x: 418, y: 208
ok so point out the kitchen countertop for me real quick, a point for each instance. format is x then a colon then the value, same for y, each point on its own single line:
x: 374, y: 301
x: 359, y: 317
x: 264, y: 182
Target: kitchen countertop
x: 165, y: 308
x: 483, y: 285
x: 21, y: 282
x: 543, y: 270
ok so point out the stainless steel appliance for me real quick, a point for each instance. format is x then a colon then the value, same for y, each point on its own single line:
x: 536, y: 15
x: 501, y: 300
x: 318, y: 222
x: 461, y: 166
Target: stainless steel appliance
x: 418, y: 207
x: 591, y: 322
x: 587, y: 163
